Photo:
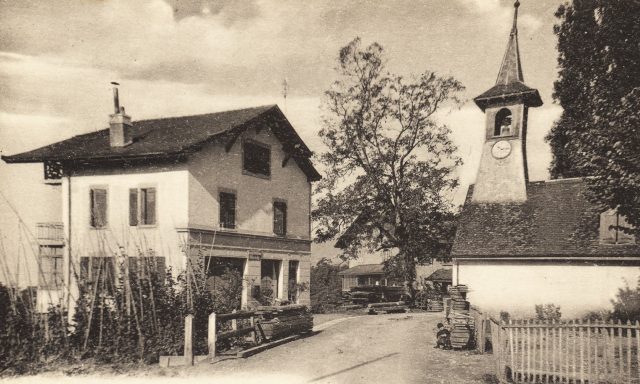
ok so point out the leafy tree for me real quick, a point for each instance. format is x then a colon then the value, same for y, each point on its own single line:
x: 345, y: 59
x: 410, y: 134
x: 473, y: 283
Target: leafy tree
x: 626, y: 306
x: 599, y: 91
x: 548, y: 312
x: 389, y: 163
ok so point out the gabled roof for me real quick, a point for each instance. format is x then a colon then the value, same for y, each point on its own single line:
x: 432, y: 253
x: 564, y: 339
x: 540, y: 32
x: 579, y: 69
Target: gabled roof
x: 510, y: 82
x: 442, y: 275
x: 173, y: 136
x: 365, y: 269
x: 556, y: 220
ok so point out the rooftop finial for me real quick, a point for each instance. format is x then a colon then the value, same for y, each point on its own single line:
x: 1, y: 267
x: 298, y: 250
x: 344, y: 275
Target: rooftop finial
x: 515, y: 17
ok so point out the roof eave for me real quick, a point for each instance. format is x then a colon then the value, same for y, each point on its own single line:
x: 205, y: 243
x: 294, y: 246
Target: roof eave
x: 531, y: 98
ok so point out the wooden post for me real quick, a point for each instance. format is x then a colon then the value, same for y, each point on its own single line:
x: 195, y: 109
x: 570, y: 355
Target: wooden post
x: 254, y: 337
x: 553, y: 349
x: 188, y: 340
x: 580, y: 334
x: 234, y: 322
x: 511, y: 351
x: 560, y: 352
x: 628, y: 351
x: 528, y: 351
x: 638, y: 345
x: 574, y: 336
x: 621, y: 364
x: 524, y: 352
x: 211, y: 335
x: 589, y: 351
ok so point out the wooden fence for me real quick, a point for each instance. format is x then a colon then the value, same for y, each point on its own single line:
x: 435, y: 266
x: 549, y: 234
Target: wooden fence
x: 566, y: 352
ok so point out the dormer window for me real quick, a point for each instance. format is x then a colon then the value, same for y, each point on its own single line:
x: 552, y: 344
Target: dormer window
x: 503, y: 123
x: 614, y: 229
x: 256, y: 159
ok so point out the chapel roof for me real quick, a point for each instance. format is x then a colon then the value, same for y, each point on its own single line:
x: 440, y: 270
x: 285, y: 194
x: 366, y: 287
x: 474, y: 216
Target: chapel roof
x: 556, y: 220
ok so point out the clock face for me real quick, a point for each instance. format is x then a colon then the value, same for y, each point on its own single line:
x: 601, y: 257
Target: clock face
x: 501, y: 149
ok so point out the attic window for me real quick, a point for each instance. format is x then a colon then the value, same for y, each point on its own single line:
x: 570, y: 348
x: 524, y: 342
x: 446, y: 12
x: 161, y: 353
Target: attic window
x: 612, y: 229
x: 503, y: 123
x: 256, y: 158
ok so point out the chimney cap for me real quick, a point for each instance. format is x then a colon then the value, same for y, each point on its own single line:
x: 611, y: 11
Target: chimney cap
x: 114, y: 83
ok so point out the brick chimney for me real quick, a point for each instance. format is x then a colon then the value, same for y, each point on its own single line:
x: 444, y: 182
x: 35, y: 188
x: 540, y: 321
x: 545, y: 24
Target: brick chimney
x: 119, y: 123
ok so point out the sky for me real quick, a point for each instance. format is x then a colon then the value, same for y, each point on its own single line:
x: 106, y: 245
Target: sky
x: 175, y: 57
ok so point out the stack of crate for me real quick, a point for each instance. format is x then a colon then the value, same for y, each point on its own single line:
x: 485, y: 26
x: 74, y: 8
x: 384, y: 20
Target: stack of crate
x: 281, y: 321
x: 463, y: 324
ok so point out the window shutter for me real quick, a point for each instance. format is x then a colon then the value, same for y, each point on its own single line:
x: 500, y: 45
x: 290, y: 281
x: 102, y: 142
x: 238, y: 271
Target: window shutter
x: 279, y: 218
x: 150, y: 206
x: 607, y: 227
x: 133, y: 207
x: 98, y: 208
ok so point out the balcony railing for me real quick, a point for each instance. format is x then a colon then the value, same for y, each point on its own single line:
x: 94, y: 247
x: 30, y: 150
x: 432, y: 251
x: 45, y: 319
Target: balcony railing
x: 50, y: 232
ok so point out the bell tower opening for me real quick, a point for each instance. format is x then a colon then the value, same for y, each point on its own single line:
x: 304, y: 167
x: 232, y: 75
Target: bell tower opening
x: 504, y: 123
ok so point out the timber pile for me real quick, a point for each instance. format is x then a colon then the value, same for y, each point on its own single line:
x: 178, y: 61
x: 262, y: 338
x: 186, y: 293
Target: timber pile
x: 392, y: 307
x: 277, y: 322
x: 463, y: 324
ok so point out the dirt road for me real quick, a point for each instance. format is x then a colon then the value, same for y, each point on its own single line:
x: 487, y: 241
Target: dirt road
x: 395, y: 348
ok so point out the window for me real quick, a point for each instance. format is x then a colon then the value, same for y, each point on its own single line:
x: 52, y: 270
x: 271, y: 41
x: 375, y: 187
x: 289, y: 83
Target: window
x: 280, y: 218
x: 98, y: 271
x: 98, y: 197
x: 503, y: 123
x: 142, y: 206
x: 227, y: 210
x: 256, y: 158
x: 147, y: 267
x: 611, y: 229
x: 50, y: 276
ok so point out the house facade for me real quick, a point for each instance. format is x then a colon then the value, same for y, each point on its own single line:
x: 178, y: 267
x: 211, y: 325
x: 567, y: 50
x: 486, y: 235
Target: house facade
x: 227, y: 190
x: 521, y: 243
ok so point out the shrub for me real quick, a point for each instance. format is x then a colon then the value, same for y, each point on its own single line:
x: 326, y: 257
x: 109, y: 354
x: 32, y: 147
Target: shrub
x: 548, y: 312
x: 326, y: 286
x: 626, y: 305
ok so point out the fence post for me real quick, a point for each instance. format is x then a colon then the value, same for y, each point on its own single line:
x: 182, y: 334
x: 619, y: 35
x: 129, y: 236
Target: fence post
x: 254, y: 337
x: 234, y: 322
x: 188, y: 340
x: 211, y: 335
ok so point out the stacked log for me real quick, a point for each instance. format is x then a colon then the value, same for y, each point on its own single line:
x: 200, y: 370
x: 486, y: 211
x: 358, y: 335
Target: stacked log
x: 435, y: 305
x: 278, y: 322
x: 393, y: 307
x: 463, y: 324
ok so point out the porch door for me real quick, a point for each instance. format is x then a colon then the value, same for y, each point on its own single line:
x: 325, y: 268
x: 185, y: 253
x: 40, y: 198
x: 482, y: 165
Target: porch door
x: 270, y: 276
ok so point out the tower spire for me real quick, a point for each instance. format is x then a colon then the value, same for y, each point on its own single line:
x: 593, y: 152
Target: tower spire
x: 510, y: 81
x: 511, y: 69
x: 514, y: 29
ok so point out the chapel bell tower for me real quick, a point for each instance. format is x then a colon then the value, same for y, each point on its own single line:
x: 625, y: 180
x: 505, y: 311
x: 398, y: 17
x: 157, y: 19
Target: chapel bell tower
x: 502, y: 176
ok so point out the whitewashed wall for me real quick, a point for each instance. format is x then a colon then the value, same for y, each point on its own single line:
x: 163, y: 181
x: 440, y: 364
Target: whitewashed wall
x: 213, y: 168
x: 517, y: 288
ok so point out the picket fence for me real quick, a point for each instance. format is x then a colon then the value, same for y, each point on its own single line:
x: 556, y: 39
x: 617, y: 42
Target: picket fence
x: 529, y: 351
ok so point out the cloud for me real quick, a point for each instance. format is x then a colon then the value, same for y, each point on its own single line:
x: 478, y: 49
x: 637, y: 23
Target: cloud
x: 229, y: 10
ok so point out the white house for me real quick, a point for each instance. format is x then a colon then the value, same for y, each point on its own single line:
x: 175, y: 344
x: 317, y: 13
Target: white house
x: 522, y: 243
x: 229, y: 189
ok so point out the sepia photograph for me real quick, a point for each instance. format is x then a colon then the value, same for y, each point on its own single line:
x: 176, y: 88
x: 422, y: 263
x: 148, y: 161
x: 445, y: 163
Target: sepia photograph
x: 322, y: 191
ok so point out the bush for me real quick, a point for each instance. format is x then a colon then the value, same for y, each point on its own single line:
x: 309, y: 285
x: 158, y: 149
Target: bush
x: 626, y: 306
x: 326, y: 286
x: 549, y: 312
x: 135, y: 320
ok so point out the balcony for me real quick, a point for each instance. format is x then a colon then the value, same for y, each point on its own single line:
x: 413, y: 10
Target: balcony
x: 50, y: 233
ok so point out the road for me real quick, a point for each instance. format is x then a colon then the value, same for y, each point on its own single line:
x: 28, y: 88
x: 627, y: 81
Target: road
x: 395, y: 348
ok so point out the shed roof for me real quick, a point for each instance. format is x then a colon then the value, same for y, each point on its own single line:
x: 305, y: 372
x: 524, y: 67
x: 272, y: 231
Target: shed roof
x: 556, y: 220
x: 365, y: 269
x: 171, y: 136
x: 442, y: 275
